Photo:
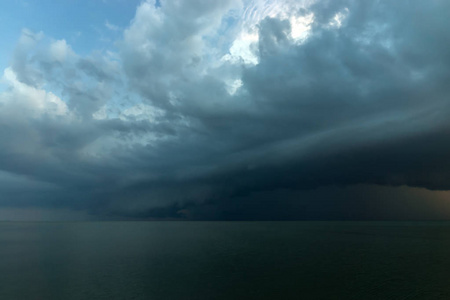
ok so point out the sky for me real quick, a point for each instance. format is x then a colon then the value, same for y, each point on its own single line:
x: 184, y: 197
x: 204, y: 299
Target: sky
x: 224, y: 110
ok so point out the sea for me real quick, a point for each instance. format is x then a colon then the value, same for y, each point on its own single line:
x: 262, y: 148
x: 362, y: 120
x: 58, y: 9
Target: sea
x: 224, y: 260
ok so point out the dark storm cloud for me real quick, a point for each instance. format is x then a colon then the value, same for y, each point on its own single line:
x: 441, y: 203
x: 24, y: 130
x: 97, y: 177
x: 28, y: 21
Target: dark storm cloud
x: 364, y: 104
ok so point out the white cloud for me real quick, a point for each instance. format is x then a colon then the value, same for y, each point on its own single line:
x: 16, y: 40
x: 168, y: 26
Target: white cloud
x: 59, y: 50
x: 101, y: 114
x: 142, y: 112
x: 339, y: 18
x: 29, y: 38
x: 28, y: 99
x: 300, y: 26
x: 233, y: 86
x: 111, y: 27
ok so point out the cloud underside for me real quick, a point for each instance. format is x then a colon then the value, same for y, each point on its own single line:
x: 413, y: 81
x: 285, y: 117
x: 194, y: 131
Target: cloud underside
x: 236, y: 110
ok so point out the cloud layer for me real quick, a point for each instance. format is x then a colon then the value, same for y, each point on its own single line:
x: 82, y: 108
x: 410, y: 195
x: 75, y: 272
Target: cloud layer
x: 234, y: 110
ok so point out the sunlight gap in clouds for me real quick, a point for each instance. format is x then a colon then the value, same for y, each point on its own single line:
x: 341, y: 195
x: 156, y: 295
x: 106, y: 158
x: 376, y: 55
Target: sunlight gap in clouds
x: 242, y: 49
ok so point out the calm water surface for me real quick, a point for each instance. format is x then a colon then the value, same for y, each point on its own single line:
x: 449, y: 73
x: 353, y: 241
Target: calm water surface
x: 219, y: 260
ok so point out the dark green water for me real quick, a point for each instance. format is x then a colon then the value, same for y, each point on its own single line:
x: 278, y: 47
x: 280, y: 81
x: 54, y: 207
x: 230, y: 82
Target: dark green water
x: 236, y: 260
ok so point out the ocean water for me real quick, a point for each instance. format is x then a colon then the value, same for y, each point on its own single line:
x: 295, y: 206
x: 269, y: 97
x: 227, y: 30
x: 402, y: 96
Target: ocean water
x: 225, y: 260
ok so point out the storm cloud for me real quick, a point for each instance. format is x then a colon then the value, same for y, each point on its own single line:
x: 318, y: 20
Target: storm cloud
x: 236, y: 110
